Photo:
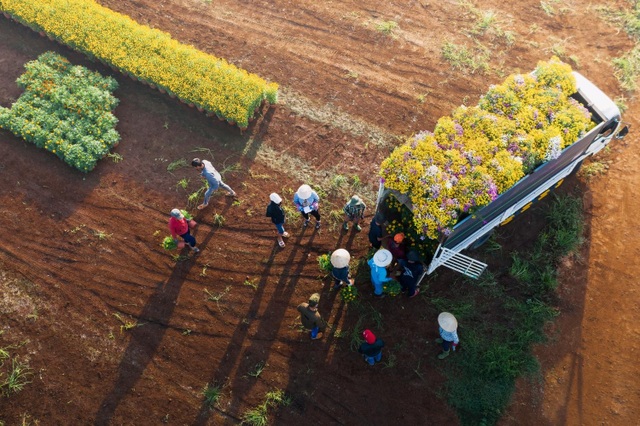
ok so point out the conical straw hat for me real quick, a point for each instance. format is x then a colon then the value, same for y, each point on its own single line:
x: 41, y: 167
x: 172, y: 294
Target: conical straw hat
x: 340, y: 258
x: 447, y: 321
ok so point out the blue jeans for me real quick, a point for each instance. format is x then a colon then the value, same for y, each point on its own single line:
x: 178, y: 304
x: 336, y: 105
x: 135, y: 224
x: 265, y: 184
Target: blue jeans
x: 314, y: 332
x: 280, y: 228
x: 212, y: 188
x: 446, y: 345
x: 189, y: 239
x: 373, y: 359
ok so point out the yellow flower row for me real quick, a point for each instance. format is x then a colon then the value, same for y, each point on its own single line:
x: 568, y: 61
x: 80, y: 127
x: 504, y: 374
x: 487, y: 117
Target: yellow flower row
x: 194, y: 76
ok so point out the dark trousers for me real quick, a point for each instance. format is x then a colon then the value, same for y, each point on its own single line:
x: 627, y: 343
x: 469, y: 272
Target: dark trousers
x: 409, y: 285
x: 313, y: 213
x: 189, y: 239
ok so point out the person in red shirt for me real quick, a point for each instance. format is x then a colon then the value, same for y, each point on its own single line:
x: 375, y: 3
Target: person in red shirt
x: 179, y: 225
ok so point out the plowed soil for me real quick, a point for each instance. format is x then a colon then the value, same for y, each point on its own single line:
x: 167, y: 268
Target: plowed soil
x: 118, y: 331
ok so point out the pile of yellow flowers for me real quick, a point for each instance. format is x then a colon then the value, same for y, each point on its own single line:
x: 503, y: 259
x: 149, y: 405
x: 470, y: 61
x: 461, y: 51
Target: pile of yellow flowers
x: 148, y: 54
x: 480, y: 152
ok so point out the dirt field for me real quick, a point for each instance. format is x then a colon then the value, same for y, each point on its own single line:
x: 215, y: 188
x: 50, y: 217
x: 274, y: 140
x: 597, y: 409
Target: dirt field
x: 80, y: 255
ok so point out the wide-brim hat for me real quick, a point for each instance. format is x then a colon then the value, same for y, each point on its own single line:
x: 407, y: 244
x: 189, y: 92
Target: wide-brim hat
x: 355, y: 200
x: 382, y: 258
x: 447, y: 321
x: 304, y: 192
x: 177, y: 213
x: 340, y: 258
x: 275, y: 198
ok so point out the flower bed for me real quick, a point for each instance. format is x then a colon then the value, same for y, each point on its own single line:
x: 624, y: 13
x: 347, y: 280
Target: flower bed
x: 66, y: 110
x: 148, y: 54
x: 481, y: 151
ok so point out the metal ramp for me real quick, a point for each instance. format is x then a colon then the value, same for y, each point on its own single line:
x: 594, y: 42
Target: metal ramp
x: 460, y: 263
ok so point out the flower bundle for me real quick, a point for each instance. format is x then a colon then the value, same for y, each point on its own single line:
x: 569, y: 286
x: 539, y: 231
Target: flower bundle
x: 148, y: 54
x: 324, y: 263
x: 66, y: 110
x: 348, y: 293
x: 479, y: 152
x: 169, y: 243
x: 392, y: 288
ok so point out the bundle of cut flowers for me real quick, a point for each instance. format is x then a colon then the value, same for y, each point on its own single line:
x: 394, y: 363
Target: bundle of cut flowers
x: 348, y: 293
x: 392, y: 288
x: 324, y: 262
x: 481, y: 151
x: 169, y: 243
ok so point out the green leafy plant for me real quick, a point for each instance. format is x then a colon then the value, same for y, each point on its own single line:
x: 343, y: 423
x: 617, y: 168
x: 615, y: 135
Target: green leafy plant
x: 257, y: 369
x: 324, y: 263
x: 387, y: 27
x: 66, y: 110
x: 102, y: 235
x: 349, y: 293
x: 466, y: 59
x: 258, y: 416
x: 211, y: 393
x: 115, y: 157
x: 169, y: 243
x: 183, y: 183
x: 172, y: 167
x: 250, y: 283
x: 127, y: 324
x: 392, y: 288
x: 17, y: 378
x: 218, y: 220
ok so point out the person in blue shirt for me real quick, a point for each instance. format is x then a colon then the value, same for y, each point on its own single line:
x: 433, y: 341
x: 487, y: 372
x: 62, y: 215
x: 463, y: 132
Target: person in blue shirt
x: 448, y: 327
x: 378, y: 264
x: 306, y: 201
x: 214, y: 180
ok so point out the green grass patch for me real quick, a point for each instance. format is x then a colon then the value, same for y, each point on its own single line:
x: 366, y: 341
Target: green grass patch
x: 496, y: 343
x: 259, y: 416
x: 466, y: 59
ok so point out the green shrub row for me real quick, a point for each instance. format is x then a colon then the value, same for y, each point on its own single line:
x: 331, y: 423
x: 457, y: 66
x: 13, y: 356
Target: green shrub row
x: 66, y: 110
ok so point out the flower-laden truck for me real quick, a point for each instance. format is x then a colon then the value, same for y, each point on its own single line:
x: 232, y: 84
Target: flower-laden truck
x: 486, y: 164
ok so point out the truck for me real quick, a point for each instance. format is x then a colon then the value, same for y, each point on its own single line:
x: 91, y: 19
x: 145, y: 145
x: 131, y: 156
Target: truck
x: 473, y: 230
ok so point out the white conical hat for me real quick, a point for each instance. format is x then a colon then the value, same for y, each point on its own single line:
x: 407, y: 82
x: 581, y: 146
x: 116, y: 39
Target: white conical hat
x: 304, y: 192
x: 340, y: 258
x: 382, y: 258
x: 447, y: 321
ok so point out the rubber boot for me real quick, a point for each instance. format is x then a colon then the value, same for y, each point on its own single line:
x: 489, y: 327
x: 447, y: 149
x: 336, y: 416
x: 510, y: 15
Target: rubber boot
x: 444, y: 354
x: 439, y: 340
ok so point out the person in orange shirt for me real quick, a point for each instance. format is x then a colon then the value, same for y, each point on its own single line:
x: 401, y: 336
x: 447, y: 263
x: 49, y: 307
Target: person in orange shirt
x: 179, y: 226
